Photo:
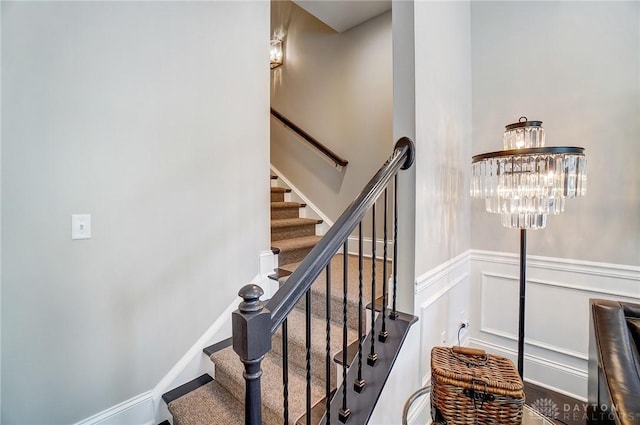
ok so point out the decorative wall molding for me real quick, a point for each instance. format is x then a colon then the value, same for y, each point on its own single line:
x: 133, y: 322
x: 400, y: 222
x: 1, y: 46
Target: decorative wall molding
x: 557, y: 314
x: 441, y: 302
x: 443, y: 291
x: 436, y: 274
x: 592, y: 268
x: 557, y: 374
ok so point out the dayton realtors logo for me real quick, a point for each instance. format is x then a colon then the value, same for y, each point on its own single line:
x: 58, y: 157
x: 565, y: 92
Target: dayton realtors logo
x: 546, y: 407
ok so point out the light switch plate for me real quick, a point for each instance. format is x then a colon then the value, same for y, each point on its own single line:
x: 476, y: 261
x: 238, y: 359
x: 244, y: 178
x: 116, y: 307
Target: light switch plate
x: 80, y: 226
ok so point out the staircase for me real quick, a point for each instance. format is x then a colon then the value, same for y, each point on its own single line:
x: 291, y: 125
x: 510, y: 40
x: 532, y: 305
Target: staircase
x: 316, y: 323
x: 292, y: 237
x: 219, y: 401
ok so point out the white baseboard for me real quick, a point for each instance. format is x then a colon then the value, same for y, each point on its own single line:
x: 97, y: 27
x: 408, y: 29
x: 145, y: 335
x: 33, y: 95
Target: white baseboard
x: 541, y: 371
x: 421, y: 408
x: 135, y: 411
x: 367, y: 247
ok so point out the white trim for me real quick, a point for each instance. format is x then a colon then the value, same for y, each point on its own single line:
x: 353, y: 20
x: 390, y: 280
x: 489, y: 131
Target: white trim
x: 442, y: 292
x: 534, y: 343
x: 617, y: 271
x: 268, y: 262
x: 560, y: 364
x: 427, y: 279
x: 326, y: 221
x: 353, y: 243
x: 418, y: 409
x: 135, y: 411
x: 166, y: 382
x: 191, y: 364
x: 578, y: 377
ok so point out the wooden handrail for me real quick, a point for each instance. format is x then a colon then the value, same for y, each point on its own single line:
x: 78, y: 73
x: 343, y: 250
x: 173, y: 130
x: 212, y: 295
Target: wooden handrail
x: 310, y: 139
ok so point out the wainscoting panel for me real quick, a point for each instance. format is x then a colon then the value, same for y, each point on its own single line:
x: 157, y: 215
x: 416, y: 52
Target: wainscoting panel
x: 557, y: 312
x: 442, y: 304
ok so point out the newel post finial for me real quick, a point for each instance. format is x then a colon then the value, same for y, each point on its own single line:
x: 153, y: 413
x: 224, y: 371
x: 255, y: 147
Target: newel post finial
x: 251, y: 325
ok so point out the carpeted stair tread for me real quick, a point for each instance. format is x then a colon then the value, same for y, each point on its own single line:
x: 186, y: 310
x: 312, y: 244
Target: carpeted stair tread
x: 293, y: 222
x: 286, y: 204
x: 229, y: 369
x: 278, y: 189
x: 318, y: 288
x: 293, y: 249
x: 352, y: 276
x: 210, y: 404
x: 294, y: 244
x: 296, y: 330
x: 277, y: 193
x: 284, y: 209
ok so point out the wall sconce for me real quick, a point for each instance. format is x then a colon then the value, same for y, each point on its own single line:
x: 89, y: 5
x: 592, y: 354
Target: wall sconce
x: 275, y: 53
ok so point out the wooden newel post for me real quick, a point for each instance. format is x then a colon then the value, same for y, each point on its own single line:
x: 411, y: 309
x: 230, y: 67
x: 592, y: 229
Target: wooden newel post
x: 251, y: 324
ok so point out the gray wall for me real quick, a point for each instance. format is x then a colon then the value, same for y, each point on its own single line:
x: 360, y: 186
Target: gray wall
x: 575, y: 66
x: 443, y: 117
x: 338, y: 88
x: 140, y: 114
x: 432, y: 90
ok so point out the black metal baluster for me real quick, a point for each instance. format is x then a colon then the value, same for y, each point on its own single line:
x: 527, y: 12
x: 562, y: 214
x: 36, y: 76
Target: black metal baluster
x: 285, y: 371
x: 384, y: 334
x: 328, y: 350
x: 308, y: 354
x: 358, y: 385
x: 344, y: 412
x: 373, y: 357
x: 394, y: 312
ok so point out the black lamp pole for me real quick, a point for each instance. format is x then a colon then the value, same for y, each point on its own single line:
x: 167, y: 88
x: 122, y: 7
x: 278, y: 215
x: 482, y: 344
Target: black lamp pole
x: 523, y: 283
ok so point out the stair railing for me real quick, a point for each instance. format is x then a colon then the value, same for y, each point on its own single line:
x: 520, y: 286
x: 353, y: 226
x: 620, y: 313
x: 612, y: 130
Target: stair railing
x: 254, y: 323
x: 334, y: 157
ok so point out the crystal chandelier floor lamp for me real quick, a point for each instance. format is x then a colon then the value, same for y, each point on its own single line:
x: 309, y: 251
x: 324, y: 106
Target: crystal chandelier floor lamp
x: 525, y: 183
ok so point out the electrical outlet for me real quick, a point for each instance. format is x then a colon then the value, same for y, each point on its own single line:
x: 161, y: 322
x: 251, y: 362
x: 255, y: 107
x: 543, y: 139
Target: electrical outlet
x: 443, y: 337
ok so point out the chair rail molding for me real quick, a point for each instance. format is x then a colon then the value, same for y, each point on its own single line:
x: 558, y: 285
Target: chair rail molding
x: 558, y: 293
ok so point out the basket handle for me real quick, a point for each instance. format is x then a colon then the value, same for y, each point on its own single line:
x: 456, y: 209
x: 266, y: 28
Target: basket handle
x: 464, y: 354
x: 467, y: 351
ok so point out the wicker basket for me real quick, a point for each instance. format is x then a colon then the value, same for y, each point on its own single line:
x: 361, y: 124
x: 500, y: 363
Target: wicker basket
x: 471, y: 387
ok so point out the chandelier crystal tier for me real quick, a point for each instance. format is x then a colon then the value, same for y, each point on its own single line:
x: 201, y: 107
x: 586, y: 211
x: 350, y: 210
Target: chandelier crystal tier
x: 527, y: 181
